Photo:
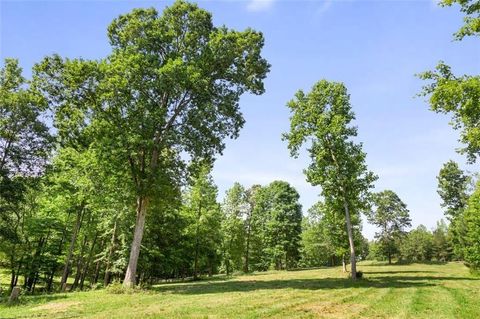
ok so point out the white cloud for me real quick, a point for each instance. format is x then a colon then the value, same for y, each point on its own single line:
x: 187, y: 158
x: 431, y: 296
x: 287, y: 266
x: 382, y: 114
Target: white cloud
x: 259, y: 5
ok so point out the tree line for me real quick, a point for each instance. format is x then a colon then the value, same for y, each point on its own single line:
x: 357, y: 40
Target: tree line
x: 105, y: 165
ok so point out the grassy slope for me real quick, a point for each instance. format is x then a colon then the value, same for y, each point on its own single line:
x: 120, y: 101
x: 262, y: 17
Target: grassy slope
x: 411, y: 291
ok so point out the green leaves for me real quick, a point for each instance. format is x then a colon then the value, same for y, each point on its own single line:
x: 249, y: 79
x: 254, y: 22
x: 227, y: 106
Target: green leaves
x: 452, y: 188
x: 391, y: 216
x: 472, y: 19
x: 25, y: 140
x: 460, y: 97
x: 321, y: 120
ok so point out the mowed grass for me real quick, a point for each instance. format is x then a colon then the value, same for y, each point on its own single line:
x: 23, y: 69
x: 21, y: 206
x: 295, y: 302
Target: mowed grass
x: 397, y: 291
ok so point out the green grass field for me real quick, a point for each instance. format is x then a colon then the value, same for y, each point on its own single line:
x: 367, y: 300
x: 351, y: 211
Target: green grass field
x: 398, y: 291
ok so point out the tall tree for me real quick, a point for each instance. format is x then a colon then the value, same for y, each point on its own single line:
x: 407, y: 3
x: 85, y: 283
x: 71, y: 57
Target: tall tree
x: 391, y: 215
x: 459, y: 96
x: 170, y: 86
x: 25, y: 144
x: 284, y: 225
x: 323, y: 118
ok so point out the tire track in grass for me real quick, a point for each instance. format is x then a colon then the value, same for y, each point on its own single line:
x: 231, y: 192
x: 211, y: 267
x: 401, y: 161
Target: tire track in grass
x: 467, y: 305
x: 372, y: 301
x: 339, y: 305
x: 394, y: 303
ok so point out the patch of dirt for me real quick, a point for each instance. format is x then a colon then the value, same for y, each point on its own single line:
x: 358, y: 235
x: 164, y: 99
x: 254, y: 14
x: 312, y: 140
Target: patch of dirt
x: 57, y: 306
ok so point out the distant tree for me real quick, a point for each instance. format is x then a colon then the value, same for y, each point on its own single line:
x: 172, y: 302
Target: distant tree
x: 375, y: 251
x: 453, y: 186
x: 323, y: 117
x: 284, y: 225
x: 205, y: 217
x: 324, y: 237
x: 259, y: 214
x: 442, y: 245
x: 364, y: 246
x: 471, y: 251
x: 417, y: 245
x: 253, y: 229
x: 391, y: 215
x: 453, y: 189
x: 315, y: 248
x: 233, y: 209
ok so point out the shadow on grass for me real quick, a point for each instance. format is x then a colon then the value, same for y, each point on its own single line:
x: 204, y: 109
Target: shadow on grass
x: 33, y: 299
x: 400, y: 263
x: 307, y: 284
x: 400, y: 272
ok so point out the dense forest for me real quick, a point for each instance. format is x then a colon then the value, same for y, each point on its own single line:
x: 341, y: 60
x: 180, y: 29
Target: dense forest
x: 105, y: 165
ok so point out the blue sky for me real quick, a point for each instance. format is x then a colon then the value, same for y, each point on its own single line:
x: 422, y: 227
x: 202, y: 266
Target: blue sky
x: 374, y: 47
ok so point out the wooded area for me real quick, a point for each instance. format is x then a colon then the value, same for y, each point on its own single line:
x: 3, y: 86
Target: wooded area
x: 105, y: 165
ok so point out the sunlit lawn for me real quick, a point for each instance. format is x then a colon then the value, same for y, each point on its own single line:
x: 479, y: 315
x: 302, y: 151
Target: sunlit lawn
x: 403, y: 291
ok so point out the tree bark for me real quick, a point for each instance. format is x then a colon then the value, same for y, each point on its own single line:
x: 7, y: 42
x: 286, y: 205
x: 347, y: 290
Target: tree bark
x: 353, y: 261
x: 247, y: 244
x: 247, y: 254
x: 14, y: 295
x: 89, y: 260
x: 59, y: 252
x: 97, y: 273
x: 80, y: 262
x: 197, y: 243
x: 78, y: 223
x: 129, y: 281
x: 106, y: 278
x: 344, y: 264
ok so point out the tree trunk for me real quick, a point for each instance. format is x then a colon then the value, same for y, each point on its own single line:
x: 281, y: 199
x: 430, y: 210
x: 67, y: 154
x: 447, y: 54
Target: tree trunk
x: 247, y: 253
x: 78, y: 223
x: 195, y: 264
x: 247, y: 244
x: 89, y: 260
x: 33, y: 268
x: 12, y: 281
x: 14, y: 295
x: 129, y: 281
x: 106, y: 278
x: 344, y: 264
x: 353, y: 261
x: 97, y: 273
x: 78, y: 272
x: 197, y: 243
x: 50, y: 280
x: 59, y: 252
x: 389, y: 257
